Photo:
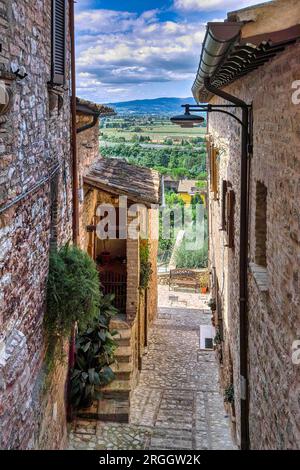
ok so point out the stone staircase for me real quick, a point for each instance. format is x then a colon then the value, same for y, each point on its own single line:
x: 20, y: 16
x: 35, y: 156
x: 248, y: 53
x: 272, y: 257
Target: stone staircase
x: 115, y: 403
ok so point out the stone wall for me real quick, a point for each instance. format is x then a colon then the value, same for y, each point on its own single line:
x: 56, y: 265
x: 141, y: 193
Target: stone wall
x: 34, y: 143
x: 87, y: 153
x: 274, y: 304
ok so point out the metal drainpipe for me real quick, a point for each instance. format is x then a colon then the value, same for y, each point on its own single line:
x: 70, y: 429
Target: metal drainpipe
x: 74, y: 130
x: 243, y: 268
x: 72, y: 350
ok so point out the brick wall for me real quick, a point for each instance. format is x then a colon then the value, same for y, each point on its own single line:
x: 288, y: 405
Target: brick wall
x: 133, y: 278
x: 34, y: 139
x: 152, y: 294
x: 274, y: 319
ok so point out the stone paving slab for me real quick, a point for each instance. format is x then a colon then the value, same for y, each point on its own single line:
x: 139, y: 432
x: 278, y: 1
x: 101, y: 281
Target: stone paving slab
x: 177, y: 404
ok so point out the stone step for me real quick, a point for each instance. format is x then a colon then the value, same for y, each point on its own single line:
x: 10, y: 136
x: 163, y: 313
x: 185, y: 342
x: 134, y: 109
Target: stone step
x: 122, y: 370
x: 116, y: 390
x: 119, y: 324
x: 116, y: 411
x: 123, y: 354
x: 124, y: 337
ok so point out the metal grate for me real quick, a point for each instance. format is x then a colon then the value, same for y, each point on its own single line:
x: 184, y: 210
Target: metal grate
x: 116, y: 284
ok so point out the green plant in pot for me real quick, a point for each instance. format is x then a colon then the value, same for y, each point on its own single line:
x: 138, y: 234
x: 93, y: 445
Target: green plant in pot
x: 73, y: 296
x: 204, y: 282
x: 95, y: 350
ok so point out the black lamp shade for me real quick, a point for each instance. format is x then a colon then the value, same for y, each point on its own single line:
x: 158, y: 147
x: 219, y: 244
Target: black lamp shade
x: 187, y: 119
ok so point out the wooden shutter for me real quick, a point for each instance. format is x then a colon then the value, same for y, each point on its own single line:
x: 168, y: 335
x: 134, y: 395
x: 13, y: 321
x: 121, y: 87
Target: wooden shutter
x: 224, y: 195
x: 217, y: 173
x: 58, y: 42
x: 230, y: 207
x: 214, y: 171
x: 212, y: 167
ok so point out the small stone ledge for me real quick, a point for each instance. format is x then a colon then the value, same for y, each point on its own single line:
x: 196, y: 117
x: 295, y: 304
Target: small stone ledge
x: 261, y: 277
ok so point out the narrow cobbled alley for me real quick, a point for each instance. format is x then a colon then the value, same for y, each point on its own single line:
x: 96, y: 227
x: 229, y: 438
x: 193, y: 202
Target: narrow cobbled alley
x: 177, y: 404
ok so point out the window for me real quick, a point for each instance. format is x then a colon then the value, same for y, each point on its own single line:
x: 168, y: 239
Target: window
x: 207, y: 334
x: 261, y: 225
x: 230, y: 210
x: 58, y: 42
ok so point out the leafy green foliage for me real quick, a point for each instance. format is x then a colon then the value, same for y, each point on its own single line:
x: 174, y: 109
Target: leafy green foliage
x: 196, y: 201
x: 229, y: 394
x: 218, y: 338
x: 195, y: 259
x: 145, y: 265
x: 172, y: 199
x: 179, y: 162
x: 73, y: 295
x: 95, y: 348
x: 202, y: 183
x: 73, y: 291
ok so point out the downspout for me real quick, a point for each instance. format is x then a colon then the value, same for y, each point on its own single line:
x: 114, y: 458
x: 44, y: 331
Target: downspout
x: 74, y: 131
x: 72, y: 349
x: 243, y: 262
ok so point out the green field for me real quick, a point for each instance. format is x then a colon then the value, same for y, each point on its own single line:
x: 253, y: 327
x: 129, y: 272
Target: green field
x: 159, y: 130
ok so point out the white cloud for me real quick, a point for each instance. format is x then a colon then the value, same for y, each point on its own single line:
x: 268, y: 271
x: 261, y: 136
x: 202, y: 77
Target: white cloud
x: 212, y: 5
x: 118, y: 50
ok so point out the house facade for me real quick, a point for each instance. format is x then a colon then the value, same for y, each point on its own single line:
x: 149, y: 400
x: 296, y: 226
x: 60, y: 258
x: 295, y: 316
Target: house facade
x: 130, y: 195
x: 35, y: 213
x: 258, y: 66
x: 188, y: 189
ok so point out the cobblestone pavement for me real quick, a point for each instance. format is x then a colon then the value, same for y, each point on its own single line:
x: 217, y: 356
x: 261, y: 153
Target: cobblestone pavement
x: 177, y: 404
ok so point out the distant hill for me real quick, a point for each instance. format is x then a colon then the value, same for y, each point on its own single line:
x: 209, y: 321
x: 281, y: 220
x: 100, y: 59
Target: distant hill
x: 158, y: 106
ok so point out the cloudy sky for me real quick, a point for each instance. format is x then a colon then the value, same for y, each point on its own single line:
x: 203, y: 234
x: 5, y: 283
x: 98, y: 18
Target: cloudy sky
x: 136, y: 49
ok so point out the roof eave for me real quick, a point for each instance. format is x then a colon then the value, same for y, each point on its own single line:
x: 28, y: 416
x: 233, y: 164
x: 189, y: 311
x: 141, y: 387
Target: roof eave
x: 260, y: 49
x: 219, y: 39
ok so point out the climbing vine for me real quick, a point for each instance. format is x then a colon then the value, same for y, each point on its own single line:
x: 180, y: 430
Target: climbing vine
x: 145, y: 265
x: 229, y: 394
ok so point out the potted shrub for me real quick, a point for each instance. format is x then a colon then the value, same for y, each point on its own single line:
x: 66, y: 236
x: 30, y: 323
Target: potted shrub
x: 204, y: 282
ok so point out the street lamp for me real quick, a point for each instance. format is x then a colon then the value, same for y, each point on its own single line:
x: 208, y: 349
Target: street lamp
x: 187, y: 120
